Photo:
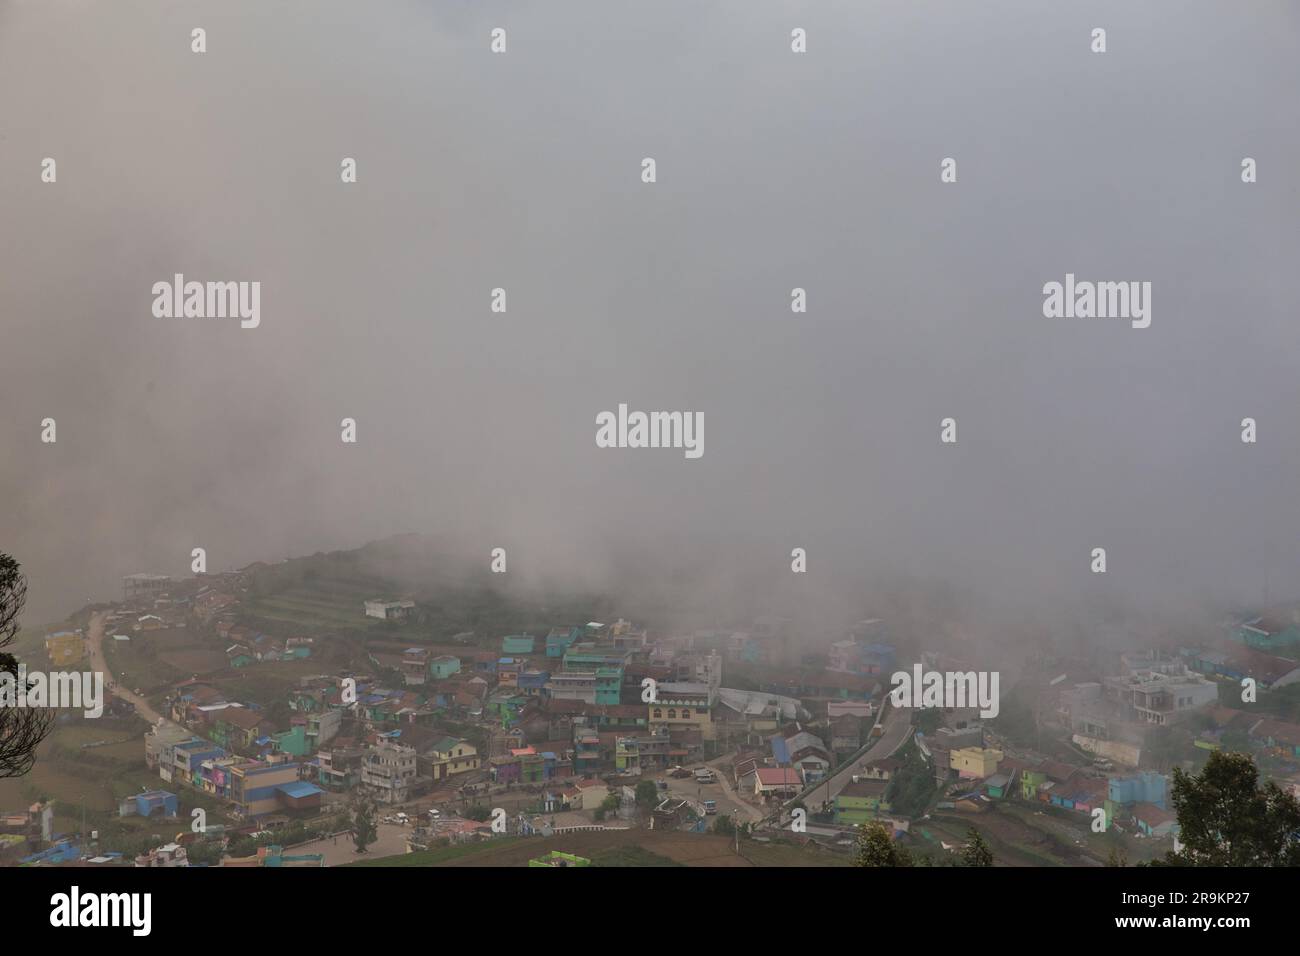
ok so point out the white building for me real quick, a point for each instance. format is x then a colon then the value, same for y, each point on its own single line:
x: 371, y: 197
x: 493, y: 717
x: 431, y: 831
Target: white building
x: 1153, y: 697
x: 389, y: 610
x: 388, y: 772
x: 572, y: 685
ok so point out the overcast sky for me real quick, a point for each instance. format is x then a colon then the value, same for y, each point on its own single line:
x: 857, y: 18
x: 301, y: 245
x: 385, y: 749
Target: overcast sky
x: 775, y: 170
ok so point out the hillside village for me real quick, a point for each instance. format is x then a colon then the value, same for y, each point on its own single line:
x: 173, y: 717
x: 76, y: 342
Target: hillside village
x: 593, y: 731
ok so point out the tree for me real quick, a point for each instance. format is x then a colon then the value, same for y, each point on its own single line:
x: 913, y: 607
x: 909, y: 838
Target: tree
x: 976, y: 852
x: 609, y: 805
x: 647, y: 794
x: 876, y: 847
x: 912, y: 787
x: 207, y: 853
x: 1117, y: 857
x: 1226, y: 818
x: 21, y: 728
x: 364, y: 830
x: 927, y: 720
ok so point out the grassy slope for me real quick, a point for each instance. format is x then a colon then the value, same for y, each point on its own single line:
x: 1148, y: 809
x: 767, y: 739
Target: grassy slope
x: 626, y: 848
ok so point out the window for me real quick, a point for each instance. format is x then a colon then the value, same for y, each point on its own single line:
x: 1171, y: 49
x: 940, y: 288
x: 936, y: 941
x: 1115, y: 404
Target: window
x: 672, y: 713
x: 686, y: 712
x: 658, y: 712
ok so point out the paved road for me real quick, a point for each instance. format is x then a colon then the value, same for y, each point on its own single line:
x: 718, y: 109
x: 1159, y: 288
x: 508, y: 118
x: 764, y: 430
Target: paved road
x: 898, y: 728
x: 95, y: 644
x: 390, y: 840
x: 722, y: 792
x: 734, y: 799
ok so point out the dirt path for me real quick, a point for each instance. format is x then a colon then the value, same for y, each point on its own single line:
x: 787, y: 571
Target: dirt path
x: 95, y: 644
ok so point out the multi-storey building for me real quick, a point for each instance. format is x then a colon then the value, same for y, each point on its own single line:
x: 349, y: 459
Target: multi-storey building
x: 389, y: 772
x: 681, y: 708
x: 260, y: 787
x: 450, y: 756
x: 339, y: 768
x: 572, y: 685
x: 1159, y: 698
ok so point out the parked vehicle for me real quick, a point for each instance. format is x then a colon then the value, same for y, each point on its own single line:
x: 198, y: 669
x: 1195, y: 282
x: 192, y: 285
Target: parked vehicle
x: 710, y: 807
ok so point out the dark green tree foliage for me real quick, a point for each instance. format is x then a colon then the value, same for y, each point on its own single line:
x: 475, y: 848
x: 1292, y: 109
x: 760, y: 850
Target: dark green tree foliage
x: 876, y: 847
x: 647, y: 794
x: 976, y: 852
x: 208, y: 853
x: 927, y: 720
x: 364, y: 830
x: 1226, y: 818
x: 21, y: 729
x: 912, y: 787
x: 609, y: 805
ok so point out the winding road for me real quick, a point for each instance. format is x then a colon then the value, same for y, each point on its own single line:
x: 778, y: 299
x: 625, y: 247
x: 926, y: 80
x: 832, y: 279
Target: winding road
x: 95, y: 646
x: 897, y: 729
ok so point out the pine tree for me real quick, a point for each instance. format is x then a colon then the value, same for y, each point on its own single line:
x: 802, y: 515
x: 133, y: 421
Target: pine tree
x: 21, y: 728
x: 364, y: 830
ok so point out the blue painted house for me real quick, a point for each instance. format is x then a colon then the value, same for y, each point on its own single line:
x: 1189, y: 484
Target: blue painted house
x: 530, y: 683
x: 153, y: 803
x: 1144, y: 787
x: 518, y: 644
x: 559, y: 639
x: 444, y: 666
x: 1269, y: 632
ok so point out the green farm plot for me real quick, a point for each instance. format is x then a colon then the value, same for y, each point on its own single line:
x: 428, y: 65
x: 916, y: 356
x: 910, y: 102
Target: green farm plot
x: 70, y: 772
x: 331, y: 611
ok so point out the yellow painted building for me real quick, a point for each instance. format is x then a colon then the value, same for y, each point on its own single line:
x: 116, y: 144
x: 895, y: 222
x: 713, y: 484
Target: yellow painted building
x: 451, y: 756
x: 682, y: 706
x: 975, y: 762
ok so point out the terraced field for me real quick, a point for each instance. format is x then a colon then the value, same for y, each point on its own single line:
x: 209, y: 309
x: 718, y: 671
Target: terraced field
x: 323, y: 604
x: 619, y: 848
